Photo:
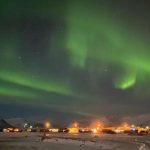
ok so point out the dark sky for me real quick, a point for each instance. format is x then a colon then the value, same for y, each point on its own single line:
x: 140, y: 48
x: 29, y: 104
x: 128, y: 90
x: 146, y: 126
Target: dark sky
x: 74, y: 59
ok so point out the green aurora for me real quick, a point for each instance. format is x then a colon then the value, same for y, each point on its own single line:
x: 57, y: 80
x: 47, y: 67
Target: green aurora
x: 79, y: 52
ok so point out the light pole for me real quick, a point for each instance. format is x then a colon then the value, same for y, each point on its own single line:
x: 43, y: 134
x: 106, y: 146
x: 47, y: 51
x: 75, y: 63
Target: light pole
x: 75, y: 125
x: 46, y: 126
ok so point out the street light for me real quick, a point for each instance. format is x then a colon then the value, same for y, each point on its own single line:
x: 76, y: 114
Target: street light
x: 75, y: 125
x: 47, y: 125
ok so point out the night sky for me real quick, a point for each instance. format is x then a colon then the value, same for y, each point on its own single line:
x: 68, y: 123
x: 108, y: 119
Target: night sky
x: 74, y: 59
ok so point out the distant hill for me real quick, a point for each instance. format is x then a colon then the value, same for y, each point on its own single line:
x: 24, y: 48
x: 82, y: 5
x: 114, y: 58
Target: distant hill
x: 4, y: 124
x: 17, y: 122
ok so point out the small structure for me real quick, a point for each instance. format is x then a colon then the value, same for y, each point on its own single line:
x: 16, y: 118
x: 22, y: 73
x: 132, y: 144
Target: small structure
x: 4, y: 125
x: 73, y: 130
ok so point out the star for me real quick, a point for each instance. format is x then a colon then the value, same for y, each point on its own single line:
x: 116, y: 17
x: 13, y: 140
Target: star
x: 19, y: 57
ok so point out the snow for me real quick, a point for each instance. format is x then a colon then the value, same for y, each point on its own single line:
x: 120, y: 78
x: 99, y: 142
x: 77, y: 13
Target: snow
x: 32, y: 141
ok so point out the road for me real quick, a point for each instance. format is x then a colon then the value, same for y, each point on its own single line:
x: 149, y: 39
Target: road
x: 32, y: 141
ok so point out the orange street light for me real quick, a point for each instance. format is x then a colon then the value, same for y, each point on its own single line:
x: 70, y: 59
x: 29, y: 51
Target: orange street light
x: 75, y: 125
x: 47, y: 125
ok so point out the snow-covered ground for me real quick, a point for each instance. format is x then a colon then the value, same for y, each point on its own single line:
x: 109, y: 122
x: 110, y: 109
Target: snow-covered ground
x: 32, y: 141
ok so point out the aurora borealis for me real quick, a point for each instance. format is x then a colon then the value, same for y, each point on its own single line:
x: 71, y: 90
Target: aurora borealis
x: 82, y: 58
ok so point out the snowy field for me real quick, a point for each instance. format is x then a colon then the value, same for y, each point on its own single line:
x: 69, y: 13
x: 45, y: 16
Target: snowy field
x: 32, y: 141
